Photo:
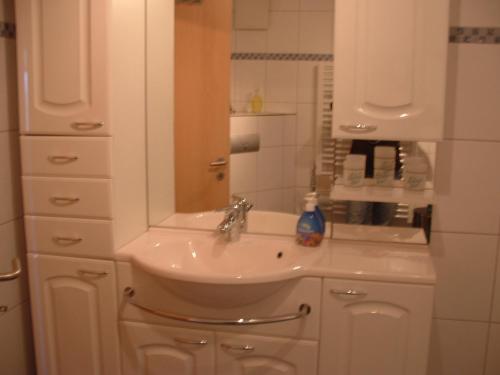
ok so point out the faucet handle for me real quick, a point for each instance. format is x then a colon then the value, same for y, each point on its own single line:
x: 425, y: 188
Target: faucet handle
x: 242, y: 202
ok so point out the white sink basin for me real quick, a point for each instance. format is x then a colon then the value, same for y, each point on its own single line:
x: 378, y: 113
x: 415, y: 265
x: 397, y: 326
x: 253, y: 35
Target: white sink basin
x: 203, y: 268
x: 262, y: 222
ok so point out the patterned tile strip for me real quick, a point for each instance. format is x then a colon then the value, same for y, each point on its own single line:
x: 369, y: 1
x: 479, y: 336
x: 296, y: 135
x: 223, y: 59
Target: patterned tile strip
x: 282, y: 56
x: 476, y: 35
x: 7, y: 30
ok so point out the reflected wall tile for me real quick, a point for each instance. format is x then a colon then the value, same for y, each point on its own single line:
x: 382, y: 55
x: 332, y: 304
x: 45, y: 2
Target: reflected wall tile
x: 243, y: 175
x: 283, y: 33
x: 250, y: 41
x: 479, y: 13
x: 306, y: 114
x: 316, y: 32
x: 457, y: 347
x: 270, y: 200
x: 249, y: 76
x: 317, y: 5
x: 465, y: 266
x: 282, y: 81
x: 271, y: 130
x: 270, y: 168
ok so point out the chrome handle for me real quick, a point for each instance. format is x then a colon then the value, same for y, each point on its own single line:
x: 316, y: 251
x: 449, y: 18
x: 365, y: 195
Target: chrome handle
x: 67, y: 240
x: 15, y: 273
x: 240, y: 348
x: 181, y: 340
x: 64, y: 201
x: 348, y: 292
x: 92, y: 273
x: 87, y: 125
x: 62, y: 159
x: 220, y: 162
x: 358, y: 128
x: 304, y: 310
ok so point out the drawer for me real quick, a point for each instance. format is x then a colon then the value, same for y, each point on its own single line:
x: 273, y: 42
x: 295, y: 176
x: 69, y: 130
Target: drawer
x: 66, y: 156
x: 68, y: 197
x: 156, y: 293
x: 72, y: 237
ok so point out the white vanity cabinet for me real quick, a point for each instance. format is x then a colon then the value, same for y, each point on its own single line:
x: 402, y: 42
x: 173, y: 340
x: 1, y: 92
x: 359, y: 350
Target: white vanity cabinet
x: 249, y: 355
x: 156, y: 350
x: 62, y: 66
x: 74, y: 313
x: 375, y: 328
x: 390, y: 69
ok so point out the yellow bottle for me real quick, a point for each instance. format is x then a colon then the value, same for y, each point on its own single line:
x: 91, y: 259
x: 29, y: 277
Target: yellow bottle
x: 256, y: 103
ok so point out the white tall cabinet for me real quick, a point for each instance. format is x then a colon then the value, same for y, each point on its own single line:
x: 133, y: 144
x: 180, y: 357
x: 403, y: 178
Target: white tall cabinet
x: 84, y: 73
x: 390, y: 69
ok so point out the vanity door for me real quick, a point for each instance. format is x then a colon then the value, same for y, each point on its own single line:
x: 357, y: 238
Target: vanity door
x: 74, y: 312
x: 157, y: 350
x: 256, y: 355
x: 375, y: 328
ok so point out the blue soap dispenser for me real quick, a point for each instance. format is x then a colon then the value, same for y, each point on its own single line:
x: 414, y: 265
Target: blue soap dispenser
x: 313, y: 198
x: 309, y: 227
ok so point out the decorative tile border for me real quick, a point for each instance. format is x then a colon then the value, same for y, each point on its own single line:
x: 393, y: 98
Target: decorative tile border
x: 7, y: 30
x: 477, y: 35
x: 282, y: 56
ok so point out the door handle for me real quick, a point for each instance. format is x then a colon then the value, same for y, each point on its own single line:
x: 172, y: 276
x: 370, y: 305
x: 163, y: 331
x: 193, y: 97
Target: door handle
x: 239, y: 348
x: 358, y: 128
x: 87, y: 125
x: 219, y: 162
x: 14, y: 274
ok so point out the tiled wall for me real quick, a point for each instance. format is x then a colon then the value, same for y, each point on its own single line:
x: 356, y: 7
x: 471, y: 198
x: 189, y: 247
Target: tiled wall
x: 15, y: 344
x: 466, y: 233
x: 295, y: 27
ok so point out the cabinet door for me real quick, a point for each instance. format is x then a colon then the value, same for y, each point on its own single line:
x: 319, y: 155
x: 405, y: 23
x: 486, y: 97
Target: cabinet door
x: 375, y: 328
x: 390, y: 65
x: 74, y: 312
x: 155, y: 350
x: 256, y: 355
x: 61, y: 64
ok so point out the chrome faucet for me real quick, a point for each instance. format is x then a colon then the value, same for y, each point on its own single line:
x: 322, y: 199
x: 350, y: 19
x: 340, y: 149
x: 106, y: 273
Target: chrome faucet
x: 235, y: 218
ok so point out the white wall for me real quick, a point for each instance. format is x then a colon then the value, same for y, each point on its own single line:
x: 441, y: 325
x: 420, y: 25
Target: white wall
x: 295, y: 26
x: 466, y: 228
x: 16, y: 353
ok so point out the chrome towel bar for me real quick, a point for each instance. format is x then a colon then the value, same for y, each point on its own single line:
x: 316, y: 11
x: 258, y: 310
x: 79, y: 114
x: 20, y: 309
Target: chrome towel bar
x: 304, y: 310
x: 16, y: 263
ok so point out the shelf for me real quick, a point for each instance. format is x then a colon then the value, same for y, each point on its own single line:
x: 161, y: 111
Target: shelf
x: 372, y: 233
x: 396, y: 194
x: 261, y: 114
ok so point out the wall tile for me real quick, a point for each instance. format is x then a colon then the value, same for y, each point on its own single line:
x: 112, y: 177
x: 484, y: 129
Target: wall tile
x: 468, y: 187
x: 282, y: 81
x: 493, y: 358
x: 480, y: 13
x: 283, y: 33
x: 457, y: 348
x: 316, y: 4
x: 10, y: 184
x: 250, y: 41
x: 285, y: 5
x: 289, y: 200
x: 289, y: 166
x: 270, y: 168
x: 248, y: 77
x: 244, y: 125
x: 305, y: 124
x: 16, y: 351
x: 316, y: 32
x: 8, y: 82
x: 251, y: 15
x: 277, y: 107
x: 473, y: 92
x: 270, y: 200
x: 271, y: 130
x: 243, y: 175
x: 465, y: 266
x: 495, y: 312
x: 306, y: 83
x: 12, y: 239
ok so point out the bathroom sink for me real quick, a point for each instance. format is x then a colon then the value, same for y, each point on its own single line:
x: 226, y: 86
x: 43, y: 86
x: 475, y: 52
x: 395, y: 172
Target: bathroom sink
x: 262, y: 222
x: 204, y: 268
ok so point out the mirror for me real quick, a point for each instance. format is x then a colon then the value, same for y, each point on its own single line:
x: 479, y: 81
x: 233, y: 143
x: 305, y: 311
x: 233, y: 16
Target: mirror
x: 277, y: 142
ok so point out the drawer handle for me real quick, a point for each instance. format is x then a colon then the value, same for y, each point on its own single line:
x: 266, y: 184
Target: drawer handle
x: 87, y: 125
x: 92, y: 273
x: 240, y: 348
x: 200, y: 342
x: 348, y: 292
x: 64, y: 241
x: 359, y: 128
x: 64, y: 201
x: 15, y: 273
x: 61, y: 159
x: 304, y: 310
